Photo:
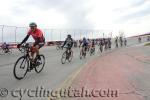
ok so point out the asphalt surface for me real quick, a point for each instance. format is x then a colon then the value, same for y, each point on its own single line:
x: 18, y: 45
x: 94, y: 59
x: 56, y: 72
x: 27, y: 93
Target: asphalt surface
x: 52, y: 76
x: 121, y: 74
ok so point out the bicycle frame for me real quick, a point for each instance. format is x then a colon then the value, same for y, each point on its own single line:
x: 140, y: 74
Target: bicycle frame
x: 83, y: 52
x: 27, y: 51
x: 67, y: 53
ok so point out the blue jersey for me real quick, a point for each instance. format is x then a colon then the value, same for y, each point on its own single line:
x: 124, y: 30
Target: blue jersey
x: 85, y: 42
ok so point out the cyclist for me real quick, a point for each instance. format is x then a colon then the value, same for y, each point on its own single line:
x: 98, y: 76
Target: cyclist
x: 116, y: 42
x: 148, y: 38
x: 139, y: 39
x: 68, y: 43
x: 93, y: 45
x: 5, y: 47
x: 37, y: 35
x: 88, y: 44
x: 109, y: 43
x: 80, y: 42
x: 125, y: 41
x: 84, y: 45
x: 121, y: 41
x: 101, y: 44
x: 105, y: 43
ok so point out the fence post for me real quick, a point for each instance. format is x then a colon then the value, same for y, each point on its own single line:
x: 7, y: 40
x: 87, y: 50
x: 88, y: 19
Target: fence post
x: 80, y: 34
x: 74, y: 34
x: 2, y: 33
x: 103, y: 35
x: 15, y: 35
x: 60, y: 35
x: 51, y: 35
x: 86, y: 33
x: 92, y: 34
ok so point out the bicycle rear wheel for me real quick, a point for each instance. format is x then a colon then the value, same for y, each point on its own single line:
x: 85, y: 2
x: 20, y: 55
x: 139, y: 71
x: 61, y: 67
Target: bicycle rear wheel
x: 21, y: 67
x: 41, y: 65
x: 63, y: 59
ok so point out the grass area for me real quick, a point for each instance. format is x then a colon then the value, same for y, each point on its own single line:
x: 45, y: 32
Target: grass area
x: 147, y: 44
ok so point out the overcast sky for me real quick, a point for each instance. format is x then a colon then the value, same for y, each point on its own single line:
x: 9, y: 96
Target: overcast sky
x: 130, y: 16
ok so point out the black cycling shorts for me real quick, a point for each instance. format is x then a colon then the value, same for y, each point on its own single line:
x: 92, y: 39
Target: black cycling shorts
x: 41, y: 44
x: 69, y: 46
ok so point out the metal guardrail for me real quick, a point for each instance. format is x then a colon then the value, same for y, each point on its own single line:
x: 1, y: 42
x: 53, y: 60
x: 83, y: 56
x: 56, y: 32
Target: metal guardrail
x: 15, y: 34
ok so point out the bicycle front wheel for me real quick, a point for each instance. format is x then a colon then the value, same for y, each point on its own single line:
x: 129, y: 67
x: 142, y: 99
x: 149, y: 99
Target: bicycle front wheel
x: 63, y: 59
x: 70, y: 56
x: 20, y: 68
x: 80, y: 54
x: 41, y: 64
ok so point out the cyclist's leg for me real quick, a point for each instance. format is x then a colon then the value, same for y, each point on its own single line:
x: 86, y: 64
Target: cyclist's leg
x: 34, y: 50
x: 38, y: 46
x: 70, y: 50
x: 7, y: 49
x: 83, y: 49
x: 67, y: 53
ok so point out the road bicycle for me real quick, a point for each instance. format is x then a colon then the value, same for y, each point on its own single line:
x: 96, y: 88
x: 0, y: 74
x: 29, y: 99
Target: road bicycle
x: 67, y: 55
x: 92, y: 51
x: 83, y: 52
x: 5, y: 51
x: 25, y: 63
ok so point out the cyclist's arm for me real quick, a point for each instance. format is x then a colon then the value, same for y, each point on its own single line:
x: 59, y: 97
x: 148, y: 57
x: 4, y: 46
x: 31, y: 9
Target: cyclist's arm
x: 25, y: 39
x: 64, y: 43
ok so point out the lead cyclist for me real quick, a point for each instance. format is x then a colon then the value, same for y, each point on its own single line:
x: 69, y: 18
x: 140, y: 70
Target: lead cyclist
x: 37, y: 35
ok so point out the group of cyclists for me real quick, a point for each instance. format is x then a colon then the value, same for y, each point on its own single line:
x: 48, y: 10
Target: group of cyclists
x: 85, y: 45
x: 37, y: 34
x: 140, y: 38
x: 120, y: 40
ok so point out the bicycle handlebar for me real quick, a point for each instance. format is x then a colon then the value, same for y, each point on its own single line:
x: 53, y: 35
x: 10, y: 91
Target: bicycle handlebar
x: 24, y: 47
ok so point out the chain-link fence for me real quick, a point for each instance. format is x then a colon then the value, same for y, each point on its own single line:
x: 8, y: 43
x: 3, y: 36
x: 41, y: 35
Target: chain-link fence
x: 15, y: 34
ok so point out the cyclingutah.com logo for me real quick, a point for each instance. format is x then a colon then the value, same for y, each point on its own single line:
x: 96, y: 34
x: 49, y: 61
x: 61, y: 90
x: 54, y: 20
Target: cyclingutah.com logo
x: 3, y: 92
x: 70, y: 92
